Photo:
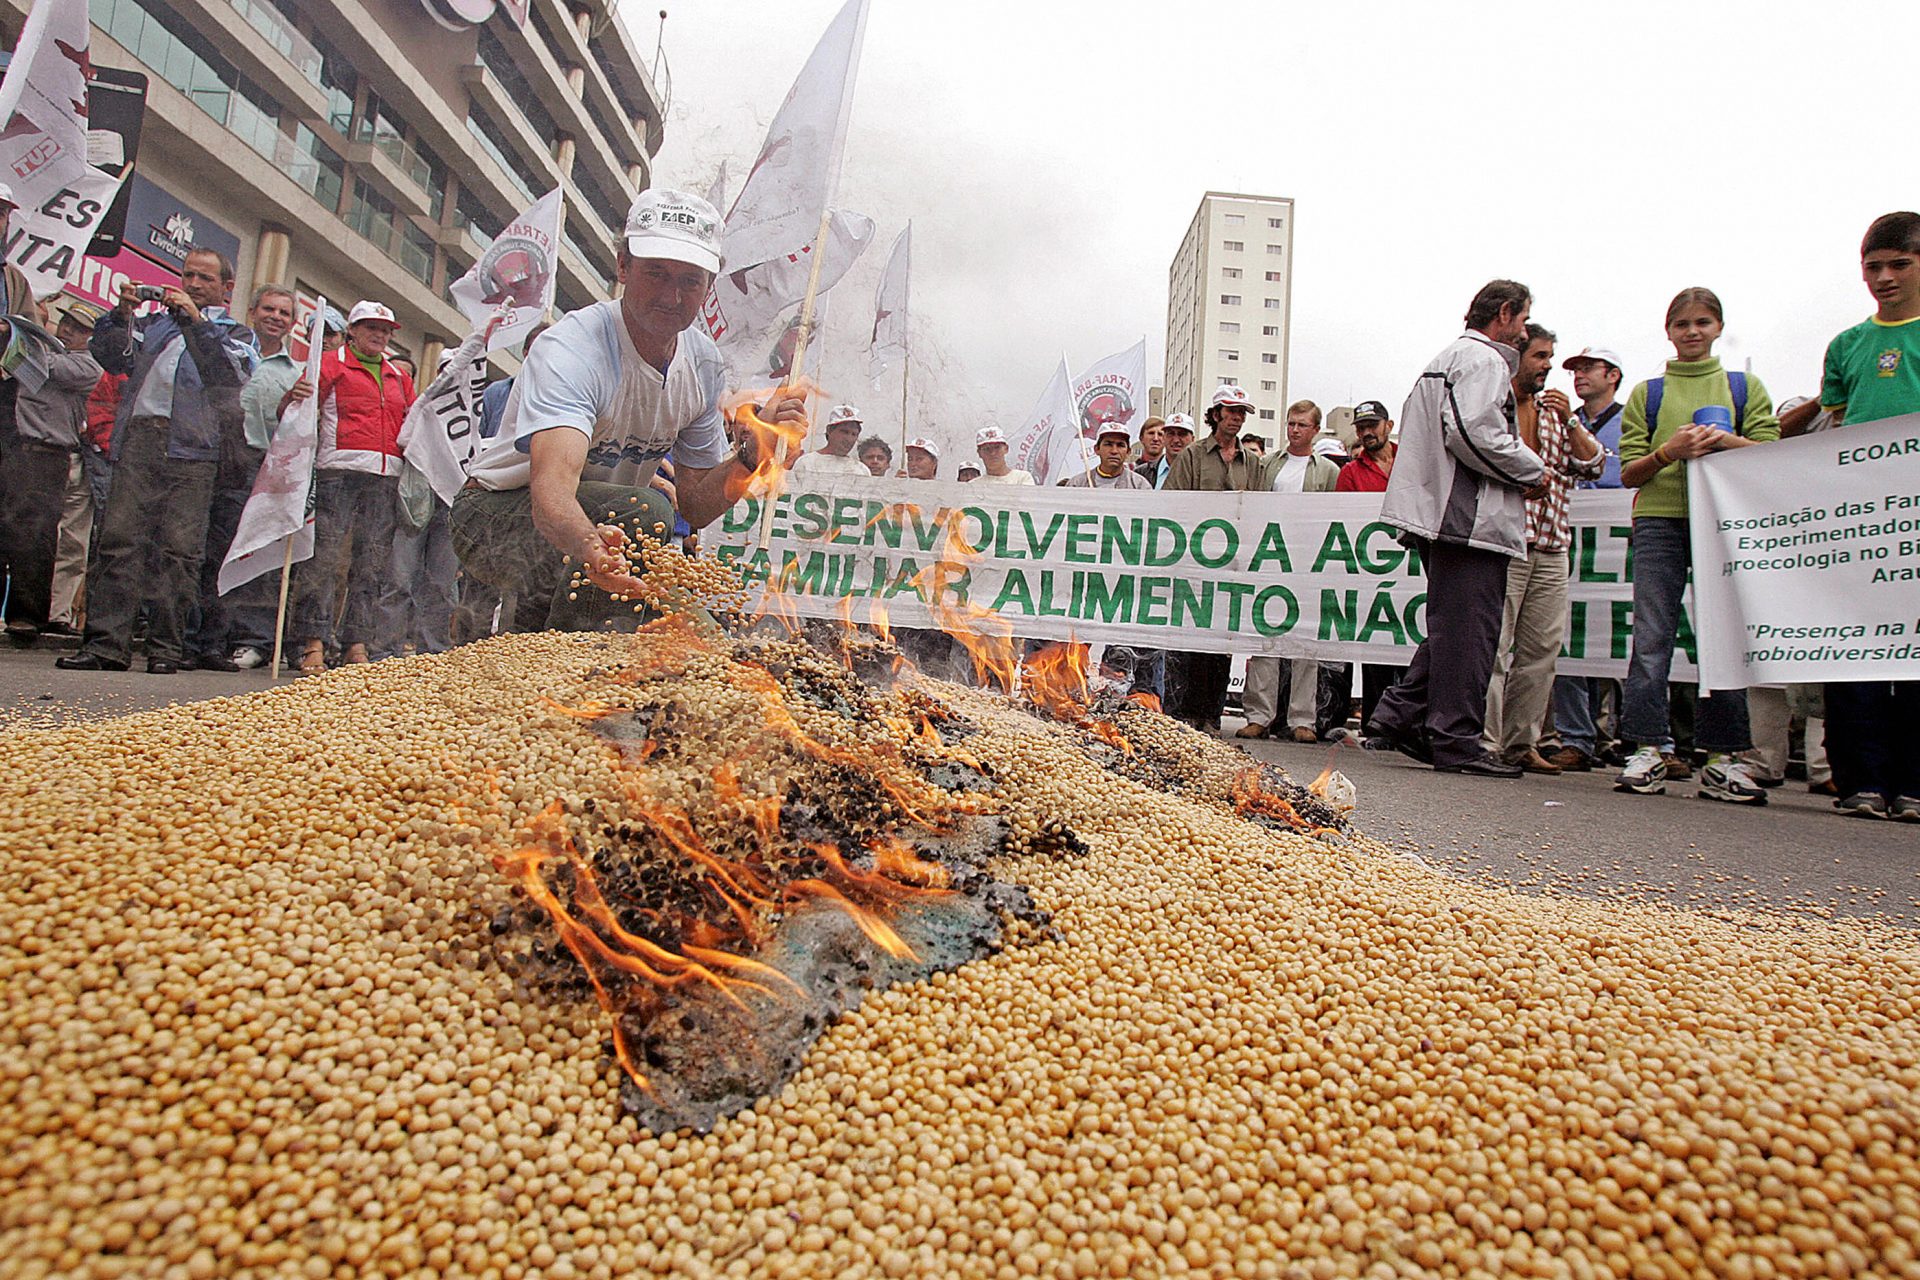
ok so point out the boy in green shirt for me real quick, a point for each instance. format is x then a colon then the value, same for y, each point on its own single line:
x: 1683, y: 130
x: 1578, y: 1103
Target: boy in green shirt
x: 1873, y: 372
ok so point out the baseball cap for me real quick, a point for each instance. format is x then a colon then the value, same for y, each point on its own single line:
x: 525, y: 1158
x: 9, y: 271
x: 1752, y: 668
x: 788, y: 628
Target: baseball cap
x: 1229, y: 395
x: 6, y: 196
x: 921, y: 442
x: 969, y: 466
x: 1111, y: 427
x: 1370, y: 411
x: 664, y: 223
x: 843, y: 415
x: 335, y: 322
x: 1604, y: 354
x: 1329, y: 447
x: 365, y: 310
x: 1178, y: 422
x: 989, y: 435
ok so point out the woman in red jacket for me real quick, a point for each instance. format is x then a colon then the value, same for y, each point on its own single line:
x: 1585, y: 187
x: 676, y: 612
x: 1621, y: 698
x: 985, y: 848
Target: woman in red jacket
x: 364, y: 398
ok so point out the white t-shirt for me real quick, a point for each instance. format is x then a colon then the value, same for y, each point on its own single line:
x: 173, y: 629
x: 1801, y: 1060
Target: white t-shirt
x: 585, y: 374
x: 1014, y: 476
x: 827, y: 464
x: 1292, y: 475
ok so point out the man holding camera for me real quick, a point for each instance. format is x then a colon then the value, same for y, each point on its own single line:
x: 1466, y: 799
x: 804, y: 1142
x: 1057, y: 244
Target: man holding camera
x: 185, y: 365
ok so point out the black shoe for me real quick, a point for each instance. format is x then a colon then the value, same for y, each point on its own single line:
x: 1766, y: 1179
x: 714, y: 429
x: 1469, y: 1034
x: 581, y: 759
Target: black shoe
x: 1412, y: 745
x: 214, y: 662
x: 23, y: 634
x: 61, y: 629
x: 1482, y: 767
x: 162, y: 667
x: 84, y: 661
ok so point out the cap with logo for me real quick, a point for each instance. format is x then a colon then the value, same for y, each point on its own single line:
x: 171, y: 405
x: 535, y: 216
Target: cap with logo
x: 84, y: 314
x: 1178, y: 422
x: 1603, y: 354
x: 1329, y: 447
x: 1370, y: 411
x: 989, y: 435
x: 843, y: 415
x: 674, y: 225
x: 921, y: 442
x: 1113, y: 428
x: 1230, y: 395
x: 379, y: 312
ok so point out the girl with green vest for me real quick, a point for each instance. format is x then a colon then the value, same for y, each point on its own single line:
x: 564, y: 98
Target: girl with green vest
x: 1694, y: 409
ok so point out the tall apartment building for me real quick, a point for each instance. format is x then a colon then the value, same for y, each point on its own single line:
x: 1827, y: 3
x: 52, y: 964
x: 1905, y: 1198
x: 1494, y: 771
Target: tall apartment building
x: 373, y: 148
x: 1230, y: 303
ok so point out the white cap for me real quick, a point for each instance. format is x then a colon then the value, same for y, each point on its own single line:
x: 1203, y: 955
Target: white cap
x: 989, y: 435
x: 921, y: 442
x: 1605, y: 354
x: 843, y: 415
x: 1178, y: 422
x: 365, y: 310
x: 676, y: 226
x: 1113, y: 427
x: 1229, y: 395
x: 1329, y: 447
x: 6, y: 195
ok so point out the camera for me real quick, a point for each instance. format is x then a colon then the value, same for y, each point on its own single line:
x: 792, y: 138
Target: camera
x: 150, y: 292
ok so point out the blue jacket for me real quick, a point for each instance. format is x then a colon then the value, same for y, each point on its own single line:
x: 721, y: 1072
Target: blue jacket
x: 218, y: 359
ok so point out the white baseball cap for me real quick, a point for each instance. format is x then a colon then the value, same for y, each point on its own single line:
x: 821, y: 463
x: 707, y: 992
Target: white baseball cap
x: 6, y: 196
x: 921, y: 442
x: 1605, y: 354
x: 989, y: 435
x: 365, y: 310
x: 1113, y: 427
x: 1329, y: 447
x: 676, y: 226
x: 843, y: 415
x: 1229, y: 395
x: 1178, y: 422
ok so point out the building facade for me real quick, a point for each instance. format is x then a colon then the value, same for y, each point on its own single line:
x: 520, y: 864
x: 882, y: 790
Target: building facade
x: 373, y: 148
x: 1230, y: 304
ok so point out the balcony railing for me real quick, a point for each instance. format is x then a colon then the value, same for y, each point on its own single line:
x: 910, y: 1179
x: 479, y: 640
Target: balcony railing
x: 273, y: 27
x: 401, y: 152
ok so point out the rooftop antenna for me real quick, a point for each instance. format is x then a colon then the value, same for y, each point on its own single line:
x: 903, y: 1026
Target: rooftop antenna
x: 659, y: 39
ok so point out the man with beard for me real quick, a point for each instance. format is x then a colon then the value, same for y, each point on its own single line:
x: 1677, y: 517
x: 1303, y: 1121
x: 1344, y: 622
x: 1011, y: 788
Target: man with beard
x: 1534, y: 621
x: 1368, y: 472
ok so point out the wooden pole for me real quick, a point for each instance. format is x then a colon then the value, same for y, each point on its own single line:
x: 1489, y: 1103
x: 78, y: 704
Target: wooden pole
x: 280, y: 619
x: 797, y: 369
x: 903, y: 409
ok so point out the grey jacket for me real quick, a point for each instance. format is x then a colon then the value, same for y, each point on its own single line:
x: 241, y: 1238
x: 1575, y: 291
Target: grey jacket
x: 56, y: 414
x: 1461, y: 468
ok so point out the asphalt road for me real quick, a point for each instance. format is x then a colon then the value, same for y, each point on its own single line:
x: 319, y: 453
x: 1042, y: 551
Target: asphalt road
x: 1570, y: 834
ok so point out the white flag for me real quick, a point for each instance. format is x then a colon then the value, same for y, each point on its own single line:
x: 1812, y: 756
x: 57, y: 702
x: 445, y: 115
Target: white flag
x: 1027, y: 447
x: 745, y: 311
x: 280, y: 512
x: 43, y: 145
x: 517, y: 272
x: 889, y: 341
x: 442, y: 432
x: 792, y: 181
x: 717, y: 191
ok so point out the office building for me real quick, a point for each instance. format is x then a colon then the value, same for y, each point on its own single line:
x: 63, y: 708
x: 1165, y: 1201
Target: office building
x: 1229, y: 304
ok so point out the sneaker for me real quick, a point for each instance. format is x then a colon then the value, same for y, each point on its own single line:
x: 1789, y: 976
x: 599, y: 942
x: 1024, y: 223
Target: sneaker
x: 1727, y: 779
x: 1678, y: 766
x: 247, y: 658
x: 1862, y: 804
x: 1905, y: 809
x: 1645, y: 774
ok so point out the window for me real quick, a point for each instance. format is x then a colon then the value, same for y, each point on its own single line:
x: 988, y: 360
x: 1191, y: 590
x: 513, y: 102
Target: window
x: 487, y: 134
x: 1266, y: 413
x: 1228, y: 356
x: 1276, y: 249
x: 1230, y: 273
x: 1276, y: 223
x: 1229, y: 326
x: 1236, y: 219
x: 608, y: 211
x: 316, y: 166
x: 1233, y: 246
x: 496, y: 59
x: 374, y: 216
x: 1273, y: 277
x: 1225, y: 379
x: 1268, y: 357
x: 1269, y: 330
x: 1272, y: 304
x: 1229, y: 299
x: 1266, y: 384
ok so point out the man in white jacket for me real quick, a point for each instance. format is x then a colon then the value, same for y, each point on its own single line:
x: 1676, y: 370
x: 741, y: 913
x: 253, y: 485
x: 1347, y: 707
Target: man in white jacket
x: 1458, y: 494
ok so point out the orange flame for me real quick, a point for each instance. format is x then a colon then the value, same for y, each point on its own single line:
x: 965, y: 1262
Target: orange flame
x: 1252, y: 799
x: 878, y: 931
x: 986, y: 636
x: 1055, y: 679
x: 771, y: 440
x: 592, y: 709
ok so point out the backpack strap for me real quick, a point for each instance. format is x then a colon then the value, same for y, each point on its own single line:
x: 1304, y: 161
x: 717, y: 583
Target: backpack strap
x: 1656, y: 389
x: 1737, y: 382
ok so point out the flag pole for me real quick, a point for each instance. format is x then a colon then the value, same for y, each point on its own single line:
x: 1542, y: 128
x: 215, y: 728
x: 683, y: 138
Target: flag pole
x: 280, y: 619
x: 797, y: 368
x: 903, y: 408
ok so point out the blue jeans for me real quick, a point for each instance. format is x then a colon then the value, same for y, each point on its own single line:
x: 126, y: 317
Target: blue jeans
x: 1576, y: 704
x: 416, y: 602
x: 1662, y: 555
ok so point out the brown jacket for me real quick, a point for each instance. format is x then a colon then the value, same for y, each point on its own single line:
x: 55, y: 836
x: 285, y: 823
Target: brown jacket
x: 1200, y: 466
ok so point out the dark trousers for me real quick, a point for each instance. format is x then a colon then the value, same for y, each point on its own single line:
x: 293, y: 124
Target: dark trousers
x: 244, y: 616
x: 494, y: 537
x: 417, y: 605
x: 155, y: 502
x: 352, y: 539
x: 1197, y: 686
x: 1375, y: 679
x: 33, y: 480
x: 1873, y: 743
x: 1443, y: 695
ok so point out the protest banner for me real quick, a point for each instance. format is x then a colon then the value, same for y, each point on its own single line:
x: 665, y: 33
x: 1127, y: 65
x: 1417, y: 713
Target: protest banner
x: 511, y: 287
x: 1252, y: 573
x: 1806, y: 557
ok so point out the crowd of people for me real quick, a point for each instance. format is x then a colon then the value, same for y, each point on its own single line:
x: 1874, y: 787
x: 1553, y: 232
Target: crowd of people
x: 124, y: 473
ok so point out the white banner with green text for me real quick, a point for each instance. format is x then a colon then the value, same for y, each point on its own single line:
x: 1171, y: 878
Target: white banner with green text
x: 1306, y: 575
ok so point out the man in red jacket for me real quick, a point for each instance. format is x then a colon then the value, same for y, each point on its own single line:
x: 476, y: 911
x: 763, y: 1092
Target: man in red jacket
x: 364, y: 398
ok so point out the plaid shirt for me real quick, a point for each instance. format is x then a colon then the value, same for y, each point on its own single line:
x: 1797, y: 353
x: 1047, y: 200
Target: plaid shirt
x: 1547, y: 516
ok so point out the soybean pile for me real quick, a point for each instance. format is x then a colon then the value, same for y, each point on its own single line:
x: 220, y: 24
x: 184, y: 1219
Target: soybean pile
x: 250, y: 1028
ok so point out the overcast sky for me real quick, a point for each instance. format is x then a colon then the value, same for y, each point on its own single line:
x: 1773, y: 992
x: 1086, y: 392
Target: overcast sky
x: 1052, y: 154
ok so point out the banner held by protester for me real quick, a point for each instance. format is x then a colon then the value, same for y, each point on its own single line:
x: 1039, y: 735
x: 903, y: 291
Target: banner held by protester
x: 511, y: 288
x: 276, y: 528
